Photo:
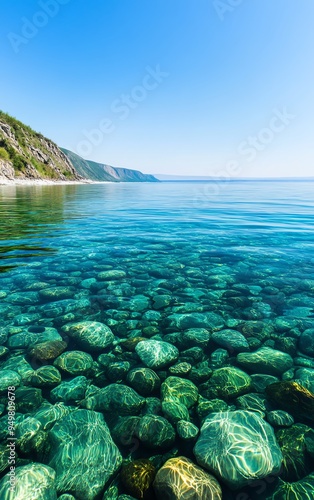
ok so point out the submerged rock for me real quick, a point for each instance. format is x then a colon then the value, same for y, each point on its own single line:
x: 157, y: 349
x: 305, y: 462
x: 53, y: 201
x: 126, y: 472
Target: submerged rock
x: 238, y: 447
x: 70, y: 392
x: 196, y: 337
x: 74, y: 362
x: 83, y: 454
x: 34, y: 481
x: 300, y: 490
x: 296, y: 459
x: 227, y: 383
x: 155, y: 432
x: 306, y: 342
x: 280, y: 418
x: 116, y: 398
x: 156, y: 354
x: 195, y: 320
x: 91, y: 335
x: 231, y: 339
x: 143, y: 380
x: 292, y: 397
x: 180, y: 479
x: 179, y: 389
x: 266, y: 360
x: 175, y: 411
x: 26, y: 433
x: 137, y: 477
x: 186, y: 430
x: 8, y: 378
x: 49, y: 350
x: 46, y: 376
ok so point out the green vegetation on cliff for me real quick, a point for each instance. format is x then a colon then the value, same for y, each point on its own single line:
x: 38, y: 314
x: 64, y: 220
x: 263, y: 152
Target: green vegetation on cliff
x: 25, y: 153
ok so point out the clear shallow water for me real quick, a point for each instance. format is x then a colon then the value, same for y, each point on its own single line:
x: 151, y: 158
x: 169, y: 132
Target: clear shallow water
x: 240, y: 250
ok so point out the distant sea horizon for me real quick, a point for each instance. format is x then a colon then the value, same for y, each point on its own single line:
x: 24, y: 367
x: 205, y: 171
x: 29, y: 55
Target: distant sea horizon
x: 174, y: 178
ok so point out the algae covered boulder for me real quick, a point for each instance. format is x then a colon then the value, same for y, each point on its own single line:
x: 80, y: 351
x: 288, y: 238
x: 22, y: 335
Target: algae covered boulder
x: 180, y: 479
x: 179, y: 390
x: 137, y: 477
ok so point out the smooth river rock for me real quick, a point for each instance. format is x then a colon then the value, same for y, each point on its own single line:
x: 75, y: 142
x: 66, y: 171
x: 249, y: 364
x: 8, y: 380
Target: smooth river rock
x: 180, y: 479
x: 238, y: 447
x: 83, y: 454
x: 32, y: 482
x: 156, y: 354
x: 265, y: 360
x: 91, y: 335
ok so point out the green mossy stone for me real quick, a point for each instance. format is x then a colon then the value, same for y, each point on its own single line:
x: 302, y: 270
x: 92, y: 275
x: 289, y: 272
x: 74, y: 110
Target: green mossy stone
x: 49, y: 350
x: 70, y: 392
x: 219, y: 358
x: 231, y: 340
x: 180, y: 478
x: 112, y: 274
x: 176, y: 388
x: 46, y: 376
x: 180, y: 369
x: 74, y: 362
x: 155, y: 432
x: 28, y: 399
x: 25, y: 432
x: 49, y: 414
x: 195, y: 320
x: 4, y: 457
x: 195, y: 337
x: 117, y: 399
x: 175, y: 411
x: 227, y: 383
x: 296, y: 460
x: 117, y: 371
x: 279, y: 418
x: 300, y: 490
x: 144, y: 380
x: 266, y: 360
x: 56, y: 293
x: 252, y: 402
x: 8, y: 378
x: 186, y: 430
x: 205, y: 407
x: 26, y: 298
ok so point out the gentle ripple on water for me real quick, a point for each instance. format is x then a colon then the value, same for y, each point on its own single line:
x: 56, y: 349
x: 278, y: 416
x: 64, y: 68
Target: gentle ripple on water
x: 155, y: 261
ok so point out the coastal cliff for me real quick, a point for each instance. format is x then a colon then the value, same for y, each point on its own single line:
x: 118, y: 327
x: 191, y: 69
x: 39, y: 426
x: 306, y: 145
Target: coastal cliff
x: 102, y: 172
x: 26, y: 155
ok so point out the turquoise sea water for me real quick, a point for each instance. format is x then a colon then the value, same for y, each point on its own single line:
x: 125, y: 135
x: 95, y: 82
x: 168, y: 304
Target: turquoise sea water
x: 217, y: 271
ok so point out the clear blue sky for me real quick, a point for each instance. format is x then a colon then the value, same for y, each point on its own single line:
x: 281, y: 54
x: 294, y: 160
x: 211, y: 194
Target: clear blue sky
x: 233, y: 94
